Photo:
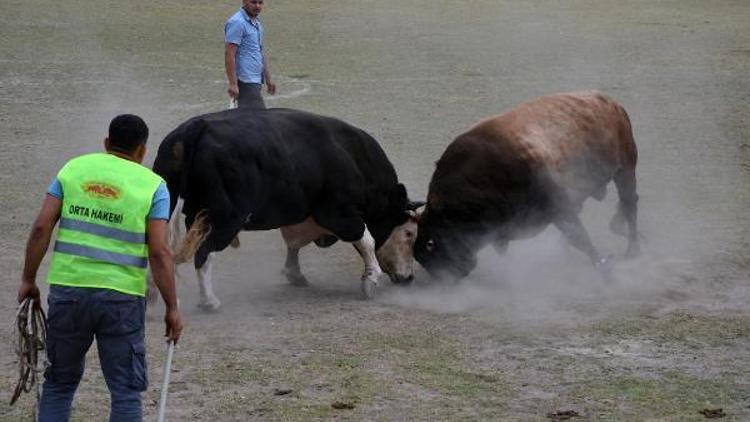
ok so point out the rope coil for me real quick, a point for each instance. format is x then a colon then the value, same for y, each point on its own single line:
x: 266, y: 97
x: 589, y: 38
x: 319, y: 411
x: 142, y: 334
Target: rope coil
x: 31, y: 330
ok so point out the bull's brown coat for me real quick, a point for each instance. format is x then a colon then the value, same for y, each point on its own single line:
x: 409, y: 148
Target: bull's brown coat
x: 511, y: 175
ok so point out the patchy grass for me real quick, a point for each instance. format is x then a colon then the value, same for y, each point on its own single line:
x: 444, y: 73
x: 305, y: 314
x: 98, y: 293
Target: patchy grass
x: 670, y: 396
x: 242, y: 384
x: 688, y: 328
x: 439, y: 367
x: 424, y: 374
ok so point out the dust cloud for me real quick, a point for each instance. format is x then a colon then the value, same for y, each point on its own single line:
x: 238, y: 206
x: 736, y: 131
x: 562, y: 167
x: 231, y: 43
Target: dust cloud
x: 546, y: 281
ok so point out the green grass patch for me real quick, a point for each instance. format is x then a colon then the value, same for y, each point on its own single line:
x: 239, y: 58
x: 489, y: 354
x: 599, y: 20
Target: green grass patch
x: 681, y: 326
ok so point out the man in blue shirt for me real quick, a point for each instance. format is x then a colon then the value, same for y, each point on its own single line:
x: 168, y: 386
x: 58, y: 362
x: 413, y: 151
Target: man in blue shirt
x: 246, y: 65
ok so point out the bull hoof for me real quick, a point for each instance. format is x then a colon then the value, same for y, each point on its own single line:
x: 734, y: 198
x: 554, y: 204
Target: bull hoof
x: 295, y: 278
x: 210, y: 306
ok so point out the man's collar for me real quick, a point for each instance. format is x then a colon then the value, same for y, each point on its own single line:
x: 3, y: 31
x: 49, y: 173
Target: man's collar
x: 121, y: 155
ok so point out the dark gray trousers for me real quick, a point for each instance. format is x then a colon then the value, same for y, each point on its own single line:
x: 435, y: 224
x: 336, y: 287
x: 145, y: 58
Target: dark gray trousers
x: 116, y: 320
x: 250, y: 96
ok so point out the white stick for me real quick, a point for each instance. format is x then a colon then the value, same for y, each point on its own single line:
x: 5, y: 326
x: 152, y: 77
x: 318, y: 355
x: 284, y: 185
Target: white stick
x: 165, y: 384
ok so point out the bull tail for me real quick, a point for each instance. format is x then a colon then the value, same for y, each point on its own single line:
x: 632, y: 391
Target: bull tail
x: 194, y: 237
x: 175, y: 231
x: 625, y: 220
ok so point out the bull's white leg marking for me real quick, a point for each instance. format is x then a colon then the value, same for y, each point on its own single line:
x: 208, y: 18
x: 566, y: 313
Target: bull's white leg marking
x: 366, y: 248
x: 209, y: 301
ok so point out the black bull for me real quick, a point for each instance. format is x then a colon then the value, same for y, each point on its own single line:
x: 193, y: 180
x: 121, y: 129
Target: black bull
x: 510, y: 176
x: 277, y: 168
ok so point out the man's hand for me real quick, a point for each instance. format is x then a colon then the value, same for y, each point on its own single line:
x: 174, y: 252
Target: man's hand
x: 28, y: 289
x: 173, y: 321
x: 271, y: 87
x: 233, y: 91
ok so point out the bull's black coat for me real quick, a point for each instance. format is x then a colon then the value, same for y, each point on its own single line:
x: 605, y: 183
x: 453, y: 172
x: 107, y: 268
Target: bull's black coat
x: 264, y: 169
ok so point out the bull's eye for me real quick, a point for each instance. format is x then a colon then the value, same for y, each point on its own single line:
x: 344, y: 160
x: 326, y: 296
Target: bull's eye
x: 430, y: 245
x: 409, y: 234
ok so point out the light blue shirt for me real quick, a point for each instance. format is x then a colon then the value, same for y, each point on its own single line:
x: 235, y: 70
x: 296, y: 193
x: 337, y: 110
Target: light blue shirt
x: 159, y: 203
x: 247, y: 34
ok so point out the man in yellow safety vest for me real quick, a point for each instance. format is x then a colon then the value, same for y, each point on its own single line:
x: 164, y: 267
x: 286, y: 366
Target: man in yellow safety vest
x: 113, y: 214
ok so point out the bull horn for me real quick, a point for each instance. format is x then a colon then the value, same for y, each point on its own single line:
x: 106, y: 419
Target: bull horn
x: 413, y: 215
x: 413, y: 205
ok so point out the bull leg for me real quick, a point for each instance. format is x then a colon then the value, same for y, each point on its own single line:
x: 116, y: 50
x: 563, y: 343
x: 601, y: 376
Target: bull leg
x: 345, y: 222
x: 208, y: 302
x: 366, y: 249
x: 618, y: 222
x: 570, y: 226
x: 296, y: 237
x: 291, y: 268
x: 627, y: 211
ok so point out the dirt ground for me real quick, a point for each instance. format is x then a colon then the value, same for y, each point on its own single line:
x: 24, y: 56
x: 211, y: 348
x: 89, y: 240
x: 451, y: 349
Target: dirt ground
x: 529, y: 333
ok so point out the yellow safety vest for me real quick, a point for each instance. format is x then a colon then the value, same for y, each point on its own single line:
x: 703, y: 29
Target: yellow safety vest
x: 101, y: 240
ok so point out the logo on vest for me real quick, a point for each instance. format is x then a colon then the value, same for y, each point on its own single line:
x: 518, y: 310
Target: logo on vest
x: 101, y: 190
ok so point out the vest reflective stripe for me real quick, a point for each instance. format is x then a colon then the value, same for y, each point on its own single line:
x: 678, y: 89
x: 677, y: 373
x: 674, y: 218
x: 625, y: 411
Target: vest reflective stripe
x: 100, y: 254
x: 104, y: 231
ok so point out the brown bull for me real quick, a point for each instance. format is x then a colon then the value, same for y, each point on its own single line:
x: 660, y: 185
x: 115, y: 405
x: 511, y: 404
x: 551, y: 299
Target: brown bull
x: 512, y: 175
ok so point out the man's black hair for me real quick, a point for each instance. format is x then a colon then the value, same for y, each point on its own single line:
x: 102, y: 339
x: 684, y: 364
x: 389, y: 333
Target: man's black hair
x: 127, y: 132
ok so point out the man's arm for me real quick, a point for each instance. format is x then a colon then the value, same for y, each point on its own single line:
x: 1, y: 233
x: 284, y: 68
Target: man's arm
x: 37, y: 244
x: 162, y: 267
x: 270, y: 86
x: 230, y: 65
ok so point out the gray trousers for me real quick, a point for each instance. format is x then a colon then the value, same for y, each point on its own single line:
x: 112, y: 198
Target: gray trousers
x: 250, y: 96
